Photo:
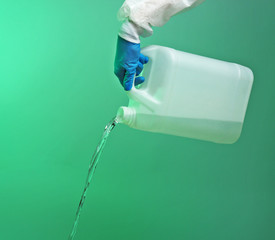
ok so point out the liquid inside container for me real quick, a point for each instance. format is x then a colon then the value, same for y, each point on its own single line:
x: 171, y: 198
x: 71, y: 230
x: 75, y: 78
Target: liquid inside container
x: 189, y: 95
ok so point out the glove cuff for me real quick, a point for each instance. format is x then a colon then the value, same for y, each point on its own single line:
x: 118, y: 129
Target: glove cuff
x: 130, y: 31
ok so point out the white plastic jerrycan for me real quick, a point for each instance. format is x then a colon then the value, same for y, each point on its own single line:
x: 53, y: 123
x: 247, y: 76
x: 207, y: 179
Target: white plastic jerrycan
x: 189, y: 95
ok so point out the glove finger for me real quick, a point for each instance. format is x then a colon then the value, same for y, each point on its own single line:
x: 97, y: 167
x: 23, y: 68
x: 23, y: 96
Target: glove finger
x: 139, y: 68
x: 139, y: 80
x: 128, y: 80
x: 143, y: 59
x: 120, y: 73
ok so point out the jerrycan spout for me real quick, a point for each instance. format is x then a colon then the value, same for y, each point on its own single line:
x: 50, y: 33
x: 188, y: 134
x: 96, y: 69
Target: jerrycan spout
x: 126, y: 115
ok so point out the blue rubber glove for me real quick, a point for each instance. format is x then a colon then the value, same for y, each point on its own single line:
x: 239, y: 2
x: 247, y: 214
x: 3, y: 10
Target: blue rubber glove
x: 129, y: 63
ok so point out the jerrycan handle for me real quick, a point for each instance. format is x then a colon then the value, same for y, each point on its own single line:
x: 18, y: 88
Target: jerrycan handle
x: 142, y: 96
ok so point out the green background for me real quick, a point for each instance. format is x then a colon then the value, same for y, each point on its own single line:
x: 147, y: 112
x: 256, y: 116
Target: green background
x: 57, y: 93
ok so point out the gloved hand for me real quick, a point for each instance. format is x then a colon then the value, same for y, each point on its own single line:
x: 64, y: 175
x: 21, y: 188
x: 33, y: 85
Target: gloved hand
x: 129, y: 63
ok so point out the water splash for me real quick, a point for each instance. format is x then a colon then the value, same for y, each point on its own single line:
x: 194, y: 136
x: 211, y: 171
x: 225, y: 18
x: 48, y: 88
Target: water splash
x: 109, y: 127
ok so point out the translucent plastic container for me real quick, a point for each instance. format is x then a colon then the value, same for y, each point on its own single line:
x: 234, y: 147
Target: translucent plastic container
x: 189, y: 95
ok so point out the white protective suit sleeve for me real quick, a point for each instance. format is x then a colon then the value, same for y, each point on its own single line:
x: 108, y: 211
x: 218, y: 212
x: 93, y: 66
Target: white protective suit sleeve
x: 139, y: 16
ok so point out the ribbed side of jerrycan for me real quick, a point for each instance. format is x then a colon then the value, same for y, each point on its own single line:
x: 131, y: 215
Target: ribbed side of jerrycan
x: 189, y: 95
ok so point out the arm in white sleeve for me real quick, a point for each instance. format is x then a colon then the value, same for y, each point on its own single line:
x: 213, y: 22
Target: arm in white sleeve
x: 139, y: 16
